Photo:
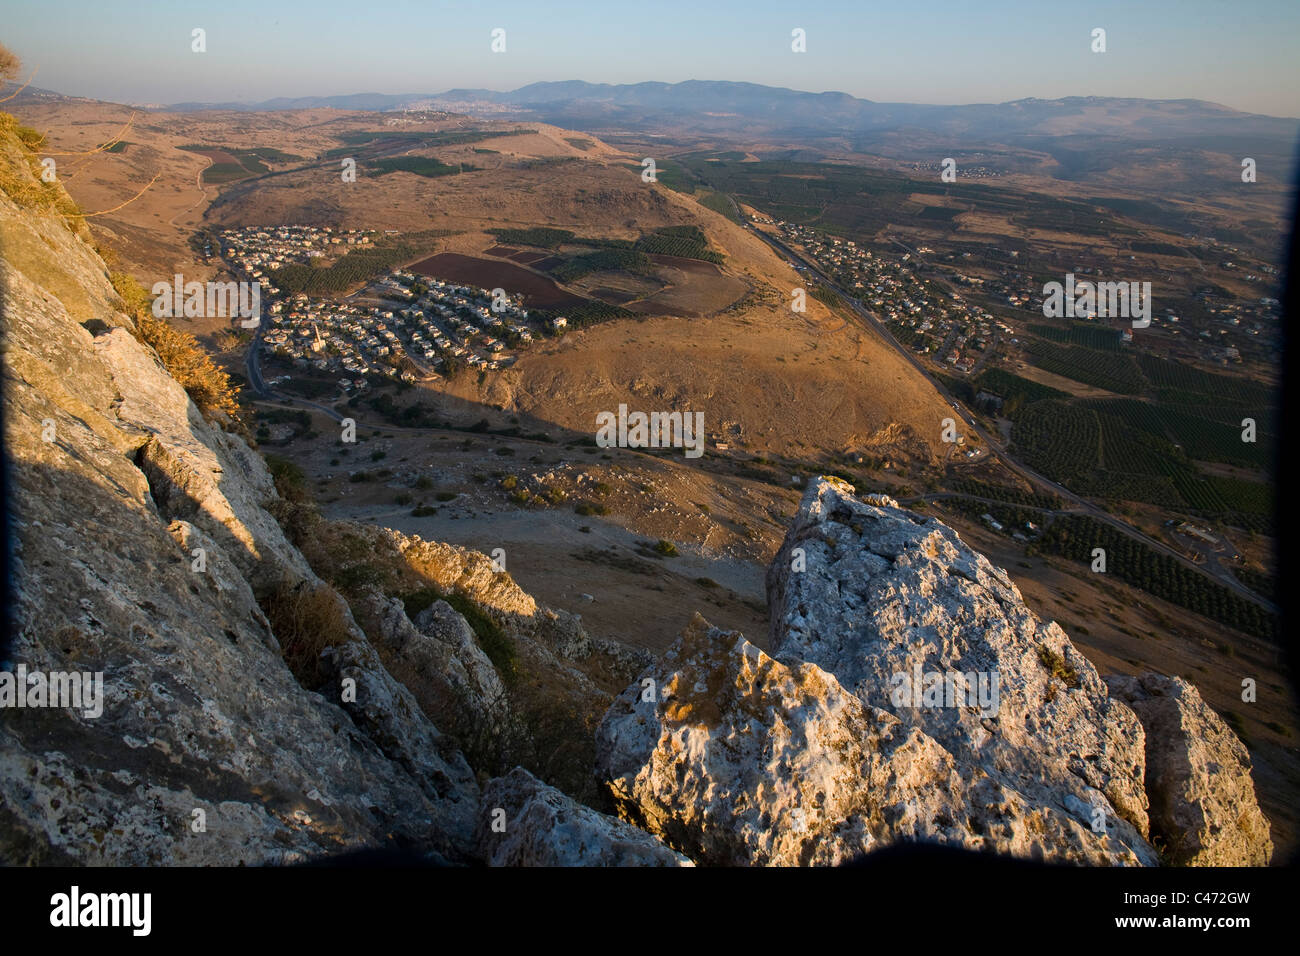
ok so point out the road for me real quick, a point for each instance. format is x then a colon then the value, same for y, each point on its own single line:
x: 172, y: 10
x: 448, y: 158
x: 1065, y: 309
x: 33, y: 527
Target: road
x: 1219, y: 574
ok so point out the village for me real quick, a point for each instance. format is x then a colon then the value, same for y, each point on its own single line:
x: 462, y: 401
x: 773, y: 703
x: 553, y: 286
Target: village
x: 402, y: 325
x: 957, y: 333
x: 944, y: 325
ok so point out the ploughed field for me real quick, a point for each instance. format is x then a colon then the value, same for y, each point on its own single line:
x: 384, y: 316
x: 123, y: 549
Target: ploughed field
x: 540, y: 291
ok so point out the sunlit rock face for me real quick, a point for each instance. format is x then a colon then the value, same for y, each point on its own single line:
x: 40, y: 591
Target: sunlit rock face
x: 1203, y: 806
x: 735, y: 757
x: 911, y: 695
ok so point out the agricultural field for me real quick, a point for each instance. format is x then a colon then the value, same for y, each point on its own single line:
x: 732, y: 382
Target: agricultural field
x: 1076, y: 536
x: 425, y: 166
x: 1110, y: 371
x: 538, y: 291
x: 1087, y: 334
x: 1115, y: 451
x: 357, y: 267
x: 1015, y: 392
x: 230, y: 165
x: 412, y: 139
x: 858, y: 202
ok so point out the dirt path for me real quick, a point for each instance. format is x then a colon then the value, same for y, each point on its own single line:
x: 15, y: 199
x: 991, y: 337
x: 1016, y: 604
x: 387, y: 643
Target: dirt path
x: 203, y: 193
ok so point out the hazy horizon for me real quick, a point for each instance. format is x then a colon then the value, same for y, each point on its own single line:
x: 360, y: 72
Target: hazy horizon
x: 1200, y: 50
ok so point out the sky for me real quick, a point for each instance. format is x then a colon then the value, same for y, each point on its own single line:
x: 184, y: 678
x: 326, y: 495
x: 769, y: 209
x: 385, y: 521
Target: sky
x: 1241, y: 53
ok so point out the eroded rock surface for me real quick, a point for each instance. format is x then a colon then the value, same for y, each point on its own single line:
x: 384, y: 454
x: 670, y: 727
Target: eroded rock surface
x: 543, y: 827
x: 890, y: 601
x: 116, y: 482
x: 1203, y: 806
x: 734, y: 757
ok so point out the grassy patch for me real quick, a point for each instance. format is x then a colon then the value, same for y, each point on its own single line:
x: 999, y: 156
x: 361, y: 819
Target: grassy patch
x: 1057, y: 667
x: 496, y: 644
x: 306, y: 621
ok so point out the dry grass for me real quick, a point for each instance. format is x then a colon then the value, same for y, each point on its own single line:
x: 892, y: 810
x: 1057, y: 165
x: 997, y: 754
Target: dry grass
x: 203, y: 380
x: 9, y: 63
x: 20, y: 175
x: 306, y: 620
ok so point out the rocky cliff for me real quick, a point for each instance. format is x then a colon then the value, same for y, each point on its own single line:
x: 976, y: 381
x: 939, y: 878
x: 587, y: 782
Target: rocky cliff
x: 276, y: 695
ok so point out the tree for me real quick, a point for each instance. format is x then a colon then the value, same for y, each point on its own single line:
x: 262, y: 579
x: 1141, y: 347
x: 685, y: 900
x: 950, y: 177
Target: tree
x: 9, y: 63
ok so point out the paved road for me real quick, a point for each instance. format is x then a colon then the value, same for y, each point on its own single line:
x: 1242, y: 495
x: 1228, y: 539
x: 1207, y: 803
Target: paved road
x: 1219, y: 574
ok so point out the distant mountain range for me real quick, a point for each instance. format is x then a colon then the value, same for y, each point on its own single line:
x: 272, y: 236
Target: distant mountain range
x: 822, y: 124
x: 725, y: 107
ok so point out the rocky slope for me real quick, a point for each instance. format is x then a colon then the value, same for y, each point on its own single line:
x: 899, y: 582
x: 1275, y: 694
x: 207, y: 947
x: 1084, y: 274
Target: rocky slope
x: 276, y: 695
x: 145, y: 549
x: 912, y: 695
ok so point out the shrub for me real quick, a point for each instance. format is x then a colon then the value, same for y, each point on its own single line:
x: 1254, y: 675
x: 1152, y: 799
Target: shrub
x: 496, y: 644
x: 666, y: 548
x: 306, y: 621
x: 296, y: 511
x: 1057, y: 666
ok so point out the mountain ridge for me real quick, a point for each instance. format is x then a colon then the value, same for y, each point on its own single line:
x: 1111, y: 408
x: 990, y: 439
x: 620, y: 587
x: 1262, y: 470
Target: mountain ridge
x: 650, y: 93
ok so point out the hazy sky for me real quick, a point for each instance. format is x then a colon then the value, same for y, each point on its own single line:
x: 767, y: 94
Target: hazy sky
x: 1242, y: 53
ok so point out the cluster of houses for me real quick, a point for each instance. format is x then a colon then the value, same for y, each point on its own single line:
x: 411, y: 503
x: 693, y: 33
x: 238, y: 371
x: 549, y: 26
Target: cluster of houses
x: 942, y: 324
x: 999, y: 527
x: 956, y: 332
x: 259, y: 251
x: 421, y: 325
x: 962, y: 171
x: 432, y: 326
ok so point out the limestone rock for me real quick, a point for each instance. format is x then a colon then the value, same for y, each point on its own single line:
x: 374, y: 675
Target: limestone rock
x: 543, y: 827
x: 440, y: 656
x: 471, y: 573
x: 197, y: 472
x: 389, y: 714
x: 1203, y: 807
x: 893, y: 602
x: 733, y: 757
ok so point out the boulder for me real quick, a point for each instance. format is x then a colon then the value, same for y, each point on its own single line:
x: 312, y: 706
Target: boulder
x: 733, y: 757
x: 914, y: 622
x: 1203, y: 807
x: 543, y: 827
